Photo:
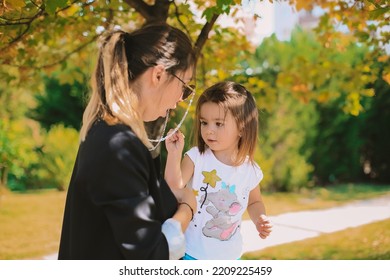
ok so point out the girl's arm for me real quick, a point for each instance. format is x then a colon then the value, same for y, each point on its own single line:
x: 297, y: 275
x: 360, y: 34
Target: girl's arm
x: 257, y: 213
x: 177, y: 172
x: 174, y: 145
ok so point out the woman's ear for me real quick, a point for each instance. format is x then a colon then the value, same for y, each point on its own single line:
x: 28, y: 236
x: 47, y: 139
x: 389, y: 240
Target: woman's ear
x: 157, y: 73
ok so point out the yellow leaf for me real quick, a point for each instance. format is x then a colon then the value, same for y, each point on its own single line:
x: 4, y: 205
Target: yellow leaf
x: 252, y: 80
x: 383, y: 58
x: 368, y: 92
x: 366, y: 68
x: 323, y: 97
x: 386, y: 77
x: 15, y: 4
x: 69, y: 11
x: 261, y: 84
x: 303, y: 5
x: 222, y: 75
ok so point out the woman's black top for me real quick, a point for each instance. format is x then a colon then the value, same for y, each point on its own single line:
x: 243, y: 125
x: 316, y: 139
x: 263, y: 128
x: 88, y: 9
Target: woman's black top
x: 116, y: 200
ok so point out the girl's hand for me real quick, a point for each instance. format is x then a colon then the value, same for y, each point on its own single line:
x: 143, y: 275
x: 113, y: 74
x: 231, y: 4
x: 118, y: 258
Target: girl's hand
x: 175, y: 143
x: 263, y: 226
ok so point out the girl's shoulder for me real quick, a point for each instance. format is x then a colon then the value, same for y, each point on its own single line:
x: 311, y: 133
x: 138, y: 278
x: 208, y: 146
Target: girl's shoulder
x: 196, y: 156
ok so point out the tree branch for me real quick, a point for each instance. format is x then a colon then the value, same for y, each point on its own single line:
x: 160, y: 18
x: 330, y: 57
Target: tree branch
x: 157, y: 12
x: 203, y: 36
x: 21, y: 35
x: 141, y: 7
x: 22, y: 21
x: 82, y: 46
x: 179, y: 20
x: 65, y: 57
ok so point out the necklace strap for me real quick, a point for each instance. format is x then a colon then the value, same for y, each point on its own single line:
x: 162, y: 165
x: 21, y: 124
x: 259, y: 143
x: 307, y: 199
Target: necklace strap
x: 161, y: 138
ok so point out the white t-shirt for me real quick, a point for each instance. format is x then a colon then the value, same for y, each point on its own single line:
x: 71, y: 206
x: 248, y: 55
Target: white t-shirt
x: 222, y: 193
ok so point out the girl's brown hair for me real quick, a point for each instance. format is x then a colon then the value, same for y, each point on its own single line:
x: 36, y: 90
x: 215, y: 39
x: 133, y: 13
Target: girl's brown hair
x: 123, y: 57
x: 236, y: 99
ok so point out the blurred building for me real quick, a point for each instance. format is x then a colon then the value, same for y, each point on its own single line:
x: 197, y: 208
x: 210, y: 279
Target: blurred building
x: 262, y: 19
x: 281, y: 18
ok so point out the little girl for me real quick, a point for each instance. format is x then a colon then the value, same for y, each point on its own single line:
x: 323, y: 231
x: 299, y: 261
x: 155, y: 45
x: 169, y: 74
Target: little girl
x: 221, y: 172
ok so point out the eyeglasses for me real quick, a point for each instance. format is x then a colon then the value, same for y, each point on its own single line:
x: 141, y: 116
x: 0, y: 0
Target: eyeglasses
x: 187, y: 89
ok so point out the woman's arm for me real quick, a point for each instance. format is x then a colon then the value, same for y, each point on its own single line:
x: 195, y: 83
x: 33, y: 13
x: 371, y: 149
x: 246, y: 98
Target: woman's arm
x: 174, y: 227
x: 129, y: 191
x: 186, y: 207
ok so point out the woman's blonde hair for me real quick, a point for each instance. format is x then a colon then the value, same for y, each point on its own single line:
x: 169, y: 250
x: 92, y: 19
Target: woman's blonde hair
x: 123, y: 57
x: 236, y: 99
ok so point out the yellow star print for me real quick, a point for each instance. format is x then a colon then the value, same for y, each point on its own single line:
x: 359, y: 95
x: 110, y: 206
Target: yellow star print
x: 211, y: 177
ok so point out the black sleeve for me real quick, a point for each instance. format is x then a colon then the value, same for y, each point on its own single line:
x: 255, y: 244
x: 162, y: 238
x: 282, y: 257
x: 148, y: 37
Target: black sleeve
x: 125, y: 195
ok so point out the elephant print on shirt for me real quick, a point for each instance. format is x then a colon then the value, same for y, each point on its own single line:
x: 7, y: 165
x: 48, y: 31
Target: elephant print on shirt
x: 224, y: 205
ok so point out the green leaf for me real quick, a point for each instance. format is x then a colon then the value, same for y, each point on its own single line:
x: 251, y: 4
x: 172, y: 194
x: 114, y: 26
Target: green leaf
x: 51, y: 6
x: 224, y: 6
x: 208, y: 13
x: 376, y: 14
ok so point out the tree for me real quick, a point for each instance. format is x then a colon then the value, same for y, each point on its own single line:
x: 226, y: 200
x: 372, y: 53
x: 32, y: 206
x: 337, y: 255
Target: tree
x: 45, y: 36
x: 60, y: 103
x: 376, y: 132
x: 18, y: 142
x: 304, y: 129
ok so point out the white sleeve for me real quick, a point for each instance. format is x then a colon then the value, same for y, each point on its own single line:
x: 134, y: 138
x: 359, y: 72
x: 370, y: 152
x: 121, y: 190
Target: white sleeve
x: 175, y: 238
x: 193, y: 154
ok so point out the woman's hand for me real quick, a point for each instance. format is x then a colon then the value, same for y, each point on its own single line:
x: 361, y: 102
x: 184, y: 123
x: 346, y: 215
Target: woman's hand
x: 186, y: 206
x: 186, y: 195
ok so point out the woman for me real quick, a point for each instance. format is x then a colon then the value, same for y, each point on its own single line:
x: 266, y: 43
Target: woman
x: 118, y: 206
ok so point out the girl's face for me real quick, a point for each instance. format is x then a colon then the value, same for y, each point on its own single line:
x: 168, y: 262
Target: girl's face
x: 219, y: 129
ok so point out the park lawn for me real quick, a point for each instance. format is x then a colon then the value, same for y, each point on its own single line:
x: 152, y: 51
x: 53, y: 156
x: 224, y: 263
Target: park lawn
x: 368, y: 242
x: 30, y: 223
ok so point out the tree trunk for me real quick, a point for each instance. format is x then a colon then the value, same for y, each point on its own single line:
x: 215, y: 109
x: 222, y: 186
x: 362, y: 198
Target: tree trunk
x: 3, y: 180
x: 3, y: 176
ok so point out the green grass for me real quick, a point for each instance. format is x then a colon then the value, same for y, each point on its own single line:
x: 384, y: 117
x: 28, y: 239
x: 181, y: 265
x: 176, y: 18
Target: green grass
x: 368, y: 242
x: 30, y: 224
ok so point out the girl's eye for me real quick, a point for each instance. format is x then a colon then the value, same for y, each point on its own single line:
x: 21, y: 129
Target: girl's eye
x: 202, y: 123
x: 219, y: 124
